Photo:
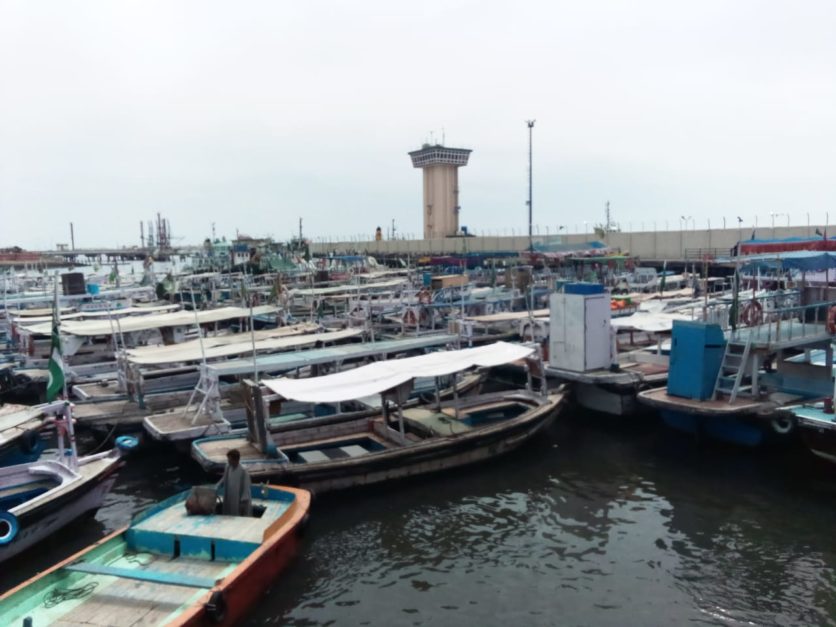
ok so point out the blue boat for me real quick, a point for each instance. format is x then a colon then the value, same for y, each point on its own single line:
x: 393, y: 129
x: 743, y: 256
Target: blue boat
x: 733, y: 385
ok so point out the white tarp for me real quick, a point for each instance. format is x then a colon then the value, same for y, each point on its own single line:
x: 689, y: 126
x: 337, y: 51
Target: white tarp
x: 346, y: 289
x: 116, y: 312
x: 507, y: 316
x: 154, y: 321
x: 385, y: 375
x: 236, y: 344
x: 647, y: 321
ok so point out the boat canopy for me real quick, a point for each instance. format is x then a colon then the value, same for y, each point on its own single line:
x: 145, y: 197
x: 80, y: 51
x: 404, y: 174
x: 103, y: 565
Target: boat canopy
x: 804, y: 260
x: 381, y: 376
x: 235, y: 344
x: 94, y: 313
x: 153, y: 321
x: 345, y: 289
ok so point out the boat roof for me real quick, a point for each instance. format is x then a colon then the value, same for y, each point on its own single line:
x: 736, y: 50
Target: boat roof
x: 506, y: 316
x: 236, y: 344
x: 341, y: 289
x: 381, y: 376
x: 154, y: 321
x: 284, y: 362
x: 94, y: 313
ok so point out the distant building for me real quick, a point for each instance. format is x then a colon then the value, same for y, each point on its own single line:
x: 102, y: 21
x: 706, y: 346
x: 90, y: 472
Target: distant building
x: 441, y: 187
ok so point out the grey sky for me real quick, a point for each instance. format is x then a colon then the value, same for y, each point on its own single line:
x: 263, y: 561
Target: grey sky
x: 252, y: 114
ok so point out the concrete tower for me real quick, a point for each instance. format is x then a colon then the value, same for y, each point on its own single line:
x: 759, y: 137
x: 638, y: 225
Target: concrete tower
x: 441, y: 187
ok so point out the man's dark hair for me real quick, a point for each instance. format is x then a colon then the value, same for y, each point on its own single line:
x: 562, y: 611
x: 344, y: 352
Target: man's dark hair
x: 233, y: 455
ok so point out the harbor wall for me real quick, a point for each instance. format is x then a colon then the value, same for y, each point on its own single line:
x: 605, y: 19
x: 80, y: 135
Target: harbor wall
x: 692, y: 244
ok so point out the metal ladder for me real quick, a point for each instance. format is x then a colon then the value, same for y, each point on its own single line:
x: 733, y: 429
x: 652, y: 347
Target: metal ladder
x: 732, y: 370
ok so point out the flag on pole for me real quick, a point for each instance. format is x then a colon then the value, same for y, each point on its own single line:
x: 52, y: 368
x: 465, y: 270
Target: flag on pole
x: 56, y: 361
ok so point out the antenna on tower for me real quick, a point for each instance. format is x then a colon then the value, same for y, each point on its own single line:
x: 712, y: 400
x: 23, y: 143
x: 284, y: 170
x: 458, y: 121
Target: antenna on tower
x: 609, y: 217
x: 443, y: 136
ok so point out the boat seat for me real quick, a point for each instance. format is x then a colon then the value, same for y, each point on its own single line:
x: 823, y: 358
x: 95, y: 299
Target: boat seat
x: 354, y: 450
x: 313, y: 456
x: 170, y: 579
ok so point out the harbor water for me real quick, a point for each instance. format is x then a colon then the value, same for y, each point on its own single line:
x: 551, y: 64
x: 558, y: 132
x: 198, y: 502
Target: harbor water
x: 591, y: 524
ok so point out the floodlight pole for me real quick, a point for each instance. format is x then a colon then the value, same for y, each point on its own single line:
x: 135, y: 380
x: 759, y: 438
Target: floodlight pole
x: 530, y: 178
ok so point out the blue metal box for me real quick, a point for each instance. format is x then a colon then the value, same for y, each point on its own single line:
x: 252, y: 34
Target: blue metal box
x: 696, y: 354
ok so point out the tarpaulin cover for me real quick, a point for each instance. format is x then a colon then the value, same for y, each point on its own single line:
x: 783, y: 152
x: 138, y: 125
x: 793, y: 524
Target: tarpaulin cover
x: 804, y: 260
x: 385, y: 375
x: 152, y: 321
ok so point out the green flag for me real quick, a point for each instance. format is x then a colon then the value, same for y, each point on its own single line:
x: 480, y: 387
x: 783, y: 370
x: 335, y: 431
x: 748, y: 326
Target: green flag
x: 56, y: 362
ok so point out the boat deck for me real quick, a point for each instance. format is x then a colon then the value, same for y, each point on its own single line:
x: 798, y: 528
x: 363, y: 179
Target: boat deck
x: 116, y: 601
x: 814, y: 416
x: 175, y: 421
x: 176, y: 521
x: 787, y: 334
x: 440, y: 423
x: 660, y: 398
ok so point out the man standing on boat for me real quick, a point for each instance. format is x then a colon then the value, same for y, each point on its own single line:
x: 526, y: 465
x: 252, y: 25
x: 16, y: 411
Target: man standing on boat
x: 236, y: 485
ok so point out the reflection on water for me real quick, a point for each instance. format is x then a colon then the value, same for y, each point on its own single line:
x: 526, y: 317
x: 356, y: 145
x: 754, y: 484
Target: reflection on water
x: 587, y: 526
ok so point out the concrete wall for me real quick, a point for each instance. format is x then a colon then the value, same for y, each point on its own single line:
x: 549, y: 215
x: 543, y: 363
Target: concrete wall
x: 691, y: 244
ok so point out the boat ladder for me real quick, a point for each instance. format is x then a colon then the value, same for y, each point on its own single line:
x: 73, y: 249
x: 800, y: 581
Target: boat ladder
x: 733, y: 369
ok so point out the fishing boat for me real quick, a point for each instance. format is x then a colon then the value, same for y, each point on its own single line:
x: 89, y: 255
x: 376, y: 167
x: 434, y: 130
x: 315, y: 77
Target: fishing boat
x: 40, y: 497
x: 20, y: 431
x: 169, y: 567
x: 335, y: 453
x: 206, y: 416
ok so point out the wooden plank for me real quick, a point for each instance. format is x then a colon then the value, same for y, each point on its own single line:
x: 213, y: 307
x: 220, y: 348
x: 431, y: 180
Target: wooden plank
x: 354, y: 450
x: 143, y: 575
x: 313, y: 456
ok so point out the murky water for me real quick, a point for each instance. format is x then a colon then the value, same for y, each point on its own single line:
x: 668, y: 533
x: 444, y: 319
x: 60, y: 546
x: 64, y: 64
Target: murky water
x: 592, y: 524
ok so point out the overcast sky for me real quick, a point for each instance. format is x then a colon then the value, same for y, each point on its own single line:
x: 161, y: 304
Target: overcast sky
x: 252, y: 114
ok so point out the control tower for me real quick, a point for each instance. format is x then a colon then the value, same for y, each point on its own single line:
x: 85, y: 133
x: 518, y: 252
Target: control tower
x: 441, y: 187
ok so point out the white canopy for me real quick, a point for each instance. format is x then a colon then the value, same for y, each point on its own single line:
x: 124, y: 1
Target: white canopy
x: 116, y: 312
x: 649, y: 322
x: 385, y: 375
x: 345, y: 289
x: 235, y: 344
x: 509, y: 316
x: 154, y: 321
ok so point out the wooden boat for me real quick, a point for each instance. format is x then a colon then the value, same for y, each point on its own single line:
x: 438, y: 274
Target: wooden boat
x: 335, y: 453
x: 39, y: 498
x: 182, y: 426
x: 168, y: 567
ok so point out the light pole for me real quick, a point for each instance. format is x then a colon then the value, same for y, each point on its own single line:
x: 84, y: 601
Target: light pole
x: 530, y: 180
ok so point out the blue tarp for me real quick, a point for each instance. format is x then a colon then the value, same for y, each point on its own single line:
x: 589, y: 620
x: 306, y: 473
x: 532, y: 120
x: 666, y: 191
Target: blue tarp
x: 804, y: 260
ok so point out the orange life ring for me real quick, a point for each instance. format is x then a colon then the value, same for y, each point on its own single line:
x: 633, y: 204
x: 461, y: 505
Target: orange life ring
x: 831, y: 320
x: 752, y: 313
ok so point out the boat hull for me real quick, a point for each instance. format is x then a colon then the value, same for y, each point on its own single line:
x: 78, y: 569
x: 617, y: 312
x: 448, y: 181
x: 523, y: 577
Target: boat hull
x: 38, y: 524
x: 418, y: 458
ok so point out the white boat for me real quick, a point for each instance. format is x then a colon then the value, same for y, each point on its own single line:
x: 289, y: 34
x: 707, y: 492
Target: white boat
x: 39, y: 498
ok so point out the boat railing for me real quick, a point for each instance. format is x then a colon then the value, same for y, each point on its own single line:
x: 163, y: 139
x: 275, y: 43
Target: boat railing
x: 778, y: 316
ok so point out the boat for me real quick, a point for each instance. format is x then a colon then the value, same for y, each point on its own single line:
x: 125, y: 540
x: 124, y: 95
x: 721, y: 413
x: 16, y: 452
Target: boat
x: 340, y: 452
x: 734, y: 386
x: 39, y: 498
x: 20, y: 431
x: 168, y: 567
x: 209, y: 417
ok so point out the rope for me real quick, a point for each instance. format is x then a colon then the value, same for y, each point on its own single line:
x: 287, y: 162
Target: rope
x: 56, y: 596
x: 106, y: 440
x: 138, y: 558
